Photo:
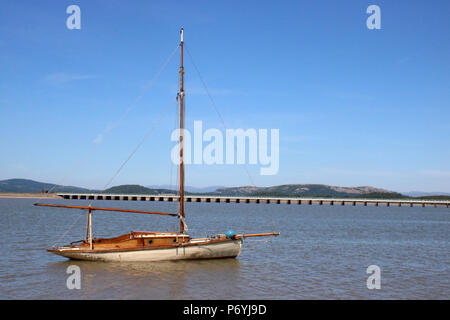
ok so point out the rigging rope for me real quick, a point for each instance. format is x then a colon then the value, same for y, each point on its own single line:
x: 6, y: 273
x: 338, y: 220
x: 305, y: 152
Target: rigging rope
x: 218, y: 113
x: 108, y: 132
x: 110, y: 129
x: 70, y: 228
x: 138, y: 146
x: 171, y: 183
x: 214, y: 105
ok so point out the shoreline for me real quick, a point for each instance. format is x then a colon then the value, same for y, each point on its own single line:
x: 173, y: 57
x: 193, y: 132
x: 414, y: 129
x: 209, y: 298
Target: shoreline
x: 24, y: 195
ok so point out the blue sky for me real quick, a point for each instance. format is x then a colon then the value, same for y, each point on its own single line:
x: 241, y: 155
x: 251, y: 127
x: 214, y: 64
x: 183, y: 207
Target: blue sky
x: 354, y: 106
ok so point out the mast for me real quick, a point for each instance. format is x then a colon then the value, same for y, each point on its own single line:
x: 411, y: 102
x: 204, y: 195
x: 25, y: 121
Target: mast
x: 181, y: 97
x: 90, y: 227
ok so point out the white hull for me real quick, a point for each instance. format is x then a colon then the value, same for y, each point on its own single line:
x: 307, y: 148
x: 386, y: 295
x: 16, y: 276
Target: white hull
x: 227, y: 249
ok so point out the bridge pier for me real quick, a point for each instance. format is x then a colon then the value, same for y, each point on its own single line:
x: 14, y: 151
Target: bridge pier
x: 272, y: 200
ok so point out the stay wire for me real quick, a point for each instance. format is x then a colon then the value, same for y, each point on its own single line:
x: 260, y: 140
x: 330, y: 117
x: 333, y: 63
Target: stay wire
x: 214, y: 105
x: 110, y: 129
x: 70, y: 228
x: 138, y: 146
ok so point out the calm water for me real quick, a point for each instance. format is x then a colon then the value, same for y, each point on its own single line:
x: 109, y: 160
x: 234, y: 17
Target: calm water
x: 322, y: 253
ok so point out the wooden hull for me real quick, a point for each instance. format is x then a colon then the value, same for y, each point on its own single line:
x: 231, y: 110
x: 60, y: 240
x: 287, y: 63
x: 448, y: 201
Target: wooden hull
x: 196, y: 250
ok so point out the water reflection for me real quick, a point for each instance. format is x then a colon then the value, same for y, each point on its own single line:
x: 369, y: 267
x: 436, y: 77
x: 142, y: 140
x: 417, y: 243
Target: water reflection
x: 322, y: 253
x: 166, y: 279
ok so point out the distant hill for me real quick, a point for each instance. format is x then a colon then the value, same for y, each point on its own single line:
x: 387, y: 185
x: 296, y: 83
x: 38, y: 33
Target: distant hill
x: 25, y: 185
x: 187, y: 188
x: 288, y: 190
x: 425, y: 194
x: 136, y: 189
x: 31, y: 186
x: 307, y: 190
x: 440, y: 197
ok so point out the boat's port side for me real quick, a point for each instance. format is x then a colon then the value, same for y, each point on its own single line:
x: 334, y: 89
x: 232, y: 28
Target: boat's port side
x: 134, y: 239
x: 207, y: 248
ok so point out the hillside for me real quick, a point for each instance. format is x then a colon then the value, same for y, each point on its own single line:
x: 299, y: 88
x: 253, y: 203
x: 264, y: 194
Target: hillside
x: 136, y: 189
x: 186, y: 188
x: 417, y: 194
x: 31, y: 186
x: 288, y: 190
x: 307, y: 190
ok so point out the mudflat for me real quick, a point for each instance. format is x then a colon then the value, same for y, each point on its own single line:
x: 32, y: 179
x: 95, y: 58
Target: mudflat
x: 27, y: 195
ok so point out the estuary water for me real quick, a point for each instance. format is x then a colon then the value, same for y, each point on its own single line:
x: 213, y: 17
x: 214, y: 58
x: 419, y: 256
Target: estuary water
x: 323, y: 252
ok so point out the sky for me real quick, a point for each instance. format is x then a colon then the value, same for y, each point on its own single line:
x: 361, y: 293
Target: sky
x: 354, y: 106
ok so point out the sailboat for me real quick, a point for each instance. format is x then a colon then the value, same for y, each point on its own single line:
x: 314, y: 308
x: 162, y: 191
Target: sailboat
x: 138, y: 246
